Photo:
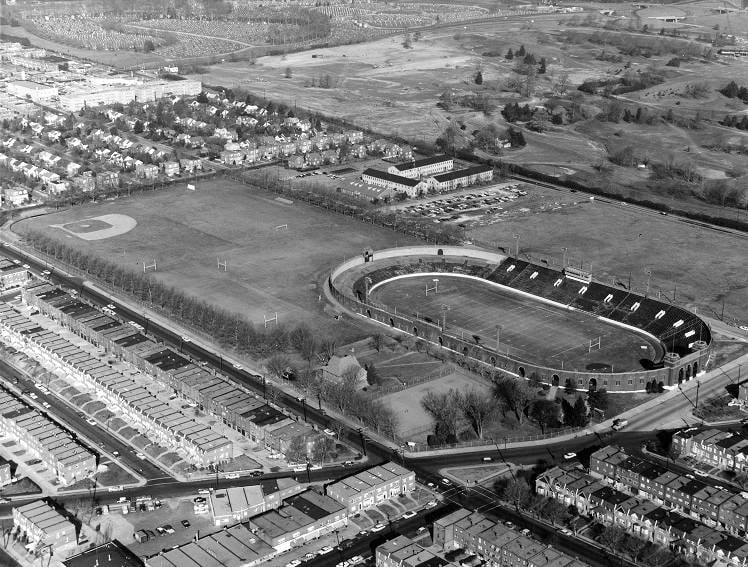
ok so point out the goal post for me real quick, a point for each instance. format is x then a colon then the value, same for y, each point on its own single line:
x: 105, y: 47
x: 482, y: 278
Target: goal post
x: 594, y: 344
x: 434, y: 288
x: 149, y: 266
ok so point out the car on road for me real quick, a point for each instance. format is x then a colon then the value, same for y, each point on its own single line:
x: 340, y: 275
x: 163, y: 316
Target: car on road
x: 232, y: 475
x: 26, y: 266
x: 566, y: 531
x: 256, y: 473
x: 487, y: 459
x: 410, y: 514
x: 329, y: 432
x: 46, y: 405
x: 569, y: 455
x: 90, y: 421
x: 140, y: 456
x: 47, y: 273
x: 446, y: 482
x: 203, y: 491
x: 198, y: 500
x: 325, y: 550
x: 115, y: 453
x: 431, y: 504
x: 378, y: 528
x: 342, y: 564
x: 348, y: 464
x: 294, y: 563
x: 698, y: 472
x: 363, y: 533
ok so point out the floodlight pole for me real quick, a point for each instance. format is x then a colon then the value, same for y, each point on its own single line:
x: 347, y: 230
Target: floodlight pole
x: 649, y: 277
x: 565, y: 249
x: 516, y: 246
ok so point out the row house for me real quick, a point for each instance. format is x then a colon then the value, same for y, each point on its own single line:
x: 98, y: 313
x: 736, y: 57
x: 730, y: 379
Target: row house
x: 372, y: 487
x: 107, y: 179
x: 191, y: 165
x: 215, y: 394
x: 167, y: 425
x: 643, y: 518
x: 171, y: 168
x: 727, y: 450
x: 43, y: 525
x: 147, y: 171
x: 494, y: 543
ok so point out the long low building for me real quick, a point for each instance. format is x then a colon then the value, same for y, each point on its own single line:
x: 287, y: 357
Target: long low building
x: 372, y: 487
x: 462, y: 178
x: 426, y: 167
x: 43, y: 525
x: 303, y: 517
x: 169, y: 426
x: 230, y: 547
x: 44, y: 439
x: 411, y: 187
x: 232, y: 505
x: 91, y: 95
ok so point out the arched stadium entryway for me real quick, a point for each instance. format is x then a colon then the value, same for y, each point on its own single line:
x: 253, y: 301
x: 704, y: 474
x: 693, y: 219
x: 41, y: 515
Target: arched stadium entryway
x: 521, y: 372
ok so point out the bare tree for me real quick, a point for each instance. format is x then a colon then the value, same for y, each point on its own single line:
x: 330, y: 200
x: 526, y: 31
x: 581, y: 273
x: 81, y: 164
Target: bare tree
x: 478, y: 409
x: 515, y: 394
x: 278, y: 364
x: 445, y: 409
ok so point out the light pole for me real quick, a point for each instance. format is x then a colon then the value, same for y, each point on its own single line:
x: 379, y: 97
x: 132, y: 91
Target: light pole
x: 565, y: 249
x: 516, y: 245
x: 445, y: 308
x: 436, y: 285
x: 498, y: 338
x: 649, y: 276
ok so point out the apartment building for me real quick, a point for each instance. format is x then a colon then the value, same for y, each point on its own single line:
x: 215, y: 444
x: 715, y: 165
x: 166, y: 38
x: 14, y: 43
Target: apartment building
x: 494, y: 542
x: 44, y: 439
x: 462, y: 177
x: 727, y: 450
x: 372, y: 487
x: 394, y: 182
x: 302, y: 517
x: 232, y: 505
x: 43, y: 525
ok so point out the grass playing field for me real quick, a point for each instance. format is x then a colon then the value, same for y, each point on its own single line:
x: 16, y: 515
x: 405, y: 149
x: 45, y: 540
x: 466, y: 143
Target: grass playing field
x: 530, y: 330
x: 188, y: 231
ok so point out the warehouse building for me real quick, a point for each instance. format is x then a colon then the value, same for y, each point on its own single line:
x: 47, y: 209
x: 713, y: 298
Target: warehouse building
x: 232, y: 505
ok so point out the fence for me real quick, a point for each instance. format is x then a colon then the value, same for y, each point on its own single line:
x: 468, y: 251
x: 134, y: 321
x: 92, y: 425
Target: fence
x: 443, y: 370
x: 488, y: 444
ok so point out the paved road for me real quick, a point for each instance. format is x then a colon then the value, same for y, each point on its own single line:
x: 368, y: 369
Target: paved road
x: 640, y: 429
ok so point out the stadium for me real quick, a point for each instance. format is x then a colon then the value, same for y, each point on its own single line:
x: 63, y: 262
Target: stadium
x: 524, y: 318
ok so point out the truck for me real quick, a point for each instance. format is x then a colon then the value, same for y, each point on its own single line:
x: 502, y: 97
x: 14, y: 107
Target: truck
x: 619, y: 424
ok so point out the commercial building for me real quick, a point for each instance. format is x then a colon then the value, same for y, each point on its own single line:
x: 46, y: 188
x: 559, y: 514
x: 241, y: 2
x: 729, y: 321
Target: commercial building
x: 12, y: 275
x: 232, y: 505
x: 495, y: 543
x: 45, y: 440
x: 404, y: 552
x: 416, y: 169
x: 303, y: 517
x: 110, y: 554
x: 372, y: 487
x: 92, y: 95
x: 230, y: 547
x: 32, y: 90
x: 43, y: 525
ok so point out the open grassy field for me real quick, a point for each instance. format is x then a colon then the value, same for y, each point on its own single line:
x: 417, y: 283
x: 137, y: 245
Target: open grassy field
x: 531, y: 330
x: 702, y: 266
x: 187, y: 231
x: 414, y: 422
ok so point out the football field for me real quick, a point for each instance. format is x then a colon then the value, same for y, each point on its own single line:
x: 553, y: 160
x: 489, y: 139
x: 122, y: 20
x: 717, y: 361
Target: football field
x: 525, y: 328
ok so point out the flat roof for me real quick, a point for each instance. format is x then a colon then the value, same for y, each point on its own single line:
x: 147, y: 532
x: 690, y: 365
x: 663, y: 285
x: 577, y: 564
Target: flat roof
x: 111, y: 554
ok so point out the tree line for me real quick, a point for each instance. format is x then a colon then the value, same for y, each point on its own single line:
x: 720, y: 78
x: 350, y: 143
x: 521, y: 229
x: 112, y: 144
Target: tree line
x: 470, y: 413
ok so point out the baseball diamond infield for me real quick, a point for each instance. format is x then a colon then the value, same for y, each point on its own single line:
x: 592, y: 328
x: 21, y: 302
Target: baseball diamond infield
x: 524, y: 318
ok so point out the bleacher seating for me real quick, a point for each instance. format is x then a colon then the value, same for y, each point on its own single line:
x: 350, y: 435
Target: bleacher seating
x: 597, y: 299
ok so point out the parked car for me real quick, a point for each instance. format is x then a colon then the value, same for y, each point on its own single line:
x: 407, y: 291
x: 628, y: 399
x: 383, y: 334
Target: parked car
x: 569, y: 455
x: 325, y: 550
x: 185, y: 523
x: 410, y: 514
x: 378, y: 528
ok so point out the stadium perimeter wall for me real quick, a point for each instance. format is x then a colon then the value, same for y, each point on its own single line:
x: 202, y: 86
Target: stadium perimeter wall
x: 668, y: 376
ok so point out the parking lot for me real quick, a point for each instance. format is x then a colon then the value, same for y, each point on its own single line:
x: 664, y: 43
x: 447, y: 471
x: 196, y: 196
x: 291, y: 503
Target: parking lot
x: 466, y: 206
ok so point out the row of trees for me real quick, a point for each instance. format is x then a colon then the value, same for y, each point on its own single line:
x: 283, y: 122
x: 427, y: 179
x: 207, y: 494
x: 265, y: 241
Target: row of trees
x: 228, y: 329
